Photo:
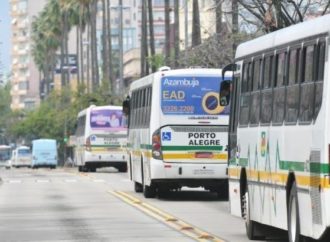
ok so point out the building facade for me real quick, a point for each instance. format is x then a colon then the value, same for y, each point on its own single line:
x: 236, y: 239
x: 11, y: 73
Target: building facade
x: 25, y: 75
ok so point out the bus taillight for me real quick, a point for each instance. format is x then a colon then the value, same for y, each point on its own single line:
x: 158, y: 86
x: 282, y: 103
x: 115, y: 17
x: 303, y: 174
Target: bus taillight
x: 156, y: 146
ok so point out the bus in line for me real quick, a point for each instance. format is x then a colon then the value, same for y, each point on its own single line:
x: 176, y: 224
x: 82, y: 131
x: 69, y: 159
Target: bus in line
x: 21, y: 157
x: 5, y: 153
x: 177, y: 132
x: 279, y: 140
x: 101, y: 138
x: 44, y: 153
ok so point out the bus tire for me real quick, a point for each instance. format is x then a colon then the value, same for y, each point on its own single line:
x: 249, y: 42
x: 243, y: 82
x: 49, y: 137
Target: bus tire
x: 293, y: 215
x: 122, y: 168
x: 138, y: 187
x: 250, y: 225
x: 149, y: 191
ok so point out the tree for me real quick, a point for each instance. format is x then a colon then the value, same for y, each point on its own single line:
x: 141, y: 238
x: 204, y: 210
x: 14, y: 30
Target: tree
x: 151, y: 34
x: 176, y: 33
x: 167, y: 32
x: 218, y: 15
x: 272, y: 15
x: 234, y: 24
x: 144, y: 46
x: 196, y: 26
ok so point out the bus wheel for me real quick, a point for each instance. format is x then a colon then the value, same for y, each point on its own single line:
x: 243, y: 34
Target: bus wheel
x: 293, y: 215
x: 149, y: 191
x: 250, y: 225
x: 138, y: 187
x: 122, y: 168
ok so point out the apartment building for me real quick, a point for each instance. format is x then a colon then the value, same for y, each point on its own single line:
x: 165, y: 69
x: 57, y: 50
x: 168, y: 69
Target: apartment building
x: 25, y: 75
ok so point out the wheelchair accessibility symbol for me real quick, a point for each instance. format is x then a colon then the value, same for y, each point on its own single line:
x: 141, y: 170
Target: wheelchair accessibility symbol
x: 166, y: 136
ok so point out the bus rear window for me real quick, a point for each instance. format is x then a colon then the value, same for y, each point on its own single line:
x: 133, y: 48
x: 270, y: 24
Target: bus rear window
x: 188, y: 95
x: 24, y: 152
x: 107, y: 119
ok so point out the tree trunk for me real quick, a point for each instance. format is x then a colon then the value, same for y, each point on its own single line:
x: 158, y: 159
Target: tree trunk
x: 234, y: 24
x: 81, y: 56
x: 105, y: 56
x: 176, y: 33
x: 167, y: 32
x: 218, y: 14
x: 62, y: 52
x: 77, y: 54
x: 95, y: 73
x: 196, y: 27
x: 109, y: 44
x: 143, y: 39
x: 88, y: 51
x: 152, y: 36
x: 66, y: 34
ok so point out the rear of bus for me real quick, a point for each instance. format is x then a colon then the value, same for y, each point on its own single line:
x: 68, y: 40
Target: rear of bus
x: 44, y: 153
x: 106, y: 138
x: 5, y: 152
x: 189, y: 142
x: 23, y: 157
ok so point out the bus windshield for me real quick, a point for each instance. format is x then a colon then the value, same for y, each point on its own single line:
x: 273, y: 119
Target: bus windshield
x: 108, y: 119
x: 187, y: 95
x: 23, y: 152
x: 4, y: 154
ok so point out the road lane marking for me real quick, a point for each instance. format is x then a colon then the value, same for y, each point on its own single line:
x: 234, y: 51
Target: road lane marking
x: 42, y: 181
x: 14, y: 181
x: 70, y: 180
x: 99, y: 180
x: 166, y: 218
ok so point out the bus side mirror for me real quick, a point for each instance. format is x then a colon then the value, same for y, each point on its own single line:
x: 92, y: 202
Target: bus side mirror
x: 225, y: 86
x: 126, y: 106
x: 224, y: 94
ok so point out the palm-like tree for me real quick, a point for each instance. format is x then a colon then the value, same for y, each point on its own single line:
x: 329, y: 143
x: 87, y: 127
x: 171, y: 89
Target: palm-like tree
x: 196, y: 27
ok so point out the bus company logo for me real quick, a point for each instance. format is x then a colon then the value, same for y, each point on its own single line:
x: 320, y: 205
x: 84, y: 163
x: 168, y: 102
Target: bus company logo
x: 166, y: 136
x: 93, y: 138
x: 181, y: 82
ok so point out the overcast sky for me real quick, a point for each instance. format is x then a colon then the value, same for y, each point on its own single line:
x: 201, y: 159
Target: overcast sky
x: 5, y: 45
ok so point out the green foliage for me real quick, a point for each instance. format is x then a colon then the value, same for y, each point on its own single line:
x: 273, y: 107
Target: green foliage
x: 5, y: 113
x: 157, y: 61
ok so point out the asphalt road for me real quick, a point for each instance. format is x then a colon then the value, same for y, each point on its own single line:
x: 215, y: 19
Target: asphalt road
x: 64, y: 205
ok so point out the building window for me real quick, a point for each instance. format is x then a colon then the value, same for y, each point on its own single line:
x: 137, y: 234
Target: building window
x: 23, y: 85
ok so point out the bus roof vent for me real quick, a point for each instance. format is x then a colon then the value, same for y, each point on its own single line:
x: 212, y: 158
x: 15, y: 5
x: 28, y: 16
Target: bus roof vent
x: 164, y: 68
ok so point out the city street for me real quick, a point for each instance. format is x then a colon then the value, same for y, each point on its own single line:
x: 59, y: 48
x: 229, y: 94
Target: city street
x: 64, y: 205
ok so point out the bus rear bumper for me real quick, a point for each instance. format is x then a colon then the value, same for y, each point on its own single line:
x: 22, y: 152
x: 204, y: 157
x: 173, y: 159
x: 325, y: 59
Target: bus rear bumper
x: 105, y: 158
x: 180, y: 170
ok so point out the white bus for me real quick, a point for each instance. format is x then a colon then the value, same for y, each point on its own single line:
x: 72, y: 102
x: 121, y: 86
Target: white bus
x: 5, y: 153
x: 101, y: 138
x: 21, y: 157
x: 279, y: 140
x: 177, y: 132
